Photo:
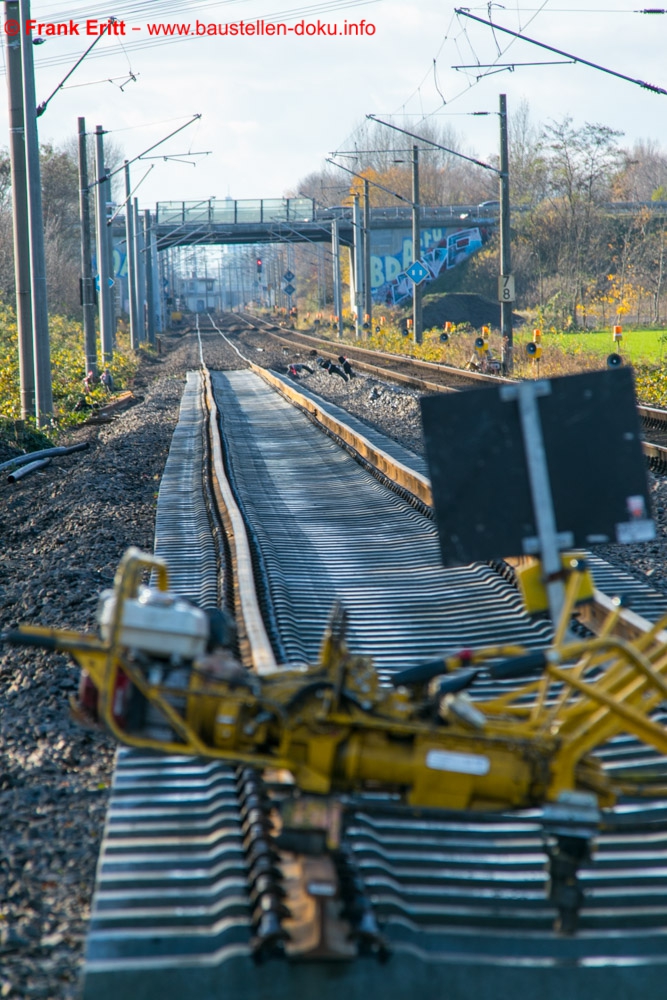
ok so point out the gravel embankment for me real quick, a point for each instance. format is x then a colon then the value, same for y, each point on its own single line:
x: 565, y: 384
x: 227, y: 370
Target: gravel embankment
x: 63, y: 531
x: 395, y: 411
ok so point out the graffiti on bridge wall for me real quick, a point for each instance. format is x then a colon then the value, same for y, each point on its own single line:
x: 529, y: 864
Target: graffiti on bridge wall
x: 441, y: 249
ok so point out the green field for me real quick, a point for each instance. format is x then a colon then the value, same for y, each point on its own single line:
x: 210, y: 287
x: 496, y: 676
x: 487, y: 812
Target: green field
x: 640, y: 347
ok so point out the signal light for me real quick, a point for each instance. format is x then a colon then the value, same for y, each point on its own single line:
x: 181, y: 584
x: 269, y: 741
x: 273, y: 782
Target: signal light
x: 614, y: 361
x: 534, y: 349
x: 259, y: 265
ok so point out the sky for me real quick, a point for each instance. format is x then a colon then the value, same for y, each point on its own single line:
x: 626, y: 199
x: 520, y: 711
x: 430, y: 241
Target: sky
x: 273, y: 107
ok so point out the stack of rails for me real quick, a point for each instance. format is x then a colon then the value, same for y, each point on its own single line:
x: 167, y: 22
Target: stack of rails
x: 460, y: 898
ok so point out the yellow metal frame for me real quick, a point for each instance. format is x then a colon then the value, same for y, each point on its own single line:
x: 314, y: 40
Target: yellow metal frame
x: 538, y: 737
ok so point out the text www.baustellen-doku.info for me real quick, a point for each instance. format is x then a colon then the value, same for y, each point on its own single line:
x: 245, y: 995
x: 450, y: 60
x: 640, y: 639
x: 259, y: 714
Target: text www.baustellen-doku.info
x: 114, y: 27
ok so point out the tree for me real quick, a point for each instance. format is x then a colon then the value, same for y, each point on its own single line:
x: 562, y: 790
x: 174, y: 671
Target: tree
x: 60, y: 194
x: 643, y: 173
x: 60, y: 207
x: 60, y: 201
x: 527, y: 165
x: 580, y: 166
x: 7, y: 291
x: 444, y: 178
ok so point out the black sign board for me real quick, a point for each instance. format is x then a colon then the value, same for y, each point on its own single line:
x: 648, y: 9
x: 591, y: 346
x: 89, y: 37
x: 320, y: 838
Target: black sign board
x: 479, y: 472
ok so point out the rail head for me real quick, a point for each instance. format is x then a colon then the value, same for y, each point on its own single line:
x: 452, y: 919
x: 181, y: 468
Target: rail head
x: 408, y: 479
x: 258, y: 644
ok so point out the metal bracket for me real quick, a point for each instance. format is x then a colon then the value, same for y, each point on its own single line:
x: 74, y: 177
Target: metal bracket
x: 548, y: 542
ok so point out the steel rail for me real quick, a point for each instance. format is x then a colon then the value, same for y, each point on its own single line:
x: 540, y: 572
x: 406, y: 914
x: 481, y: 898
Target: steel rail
x: 648, y: 605
x: 651, y: 417
x: 248, y: 614
x: 460, y: 897
x: 331, y: 345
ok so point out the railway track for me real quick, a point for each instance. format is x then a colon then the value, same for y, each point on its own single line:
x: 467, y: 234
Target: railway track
x: 428, y: 376
x: 460, y: 899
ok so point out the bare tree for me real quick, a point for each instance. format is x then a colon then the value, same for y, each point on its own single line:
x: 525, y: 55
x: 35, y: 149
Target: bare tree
x: 528, y: 167
x: 643, y: 174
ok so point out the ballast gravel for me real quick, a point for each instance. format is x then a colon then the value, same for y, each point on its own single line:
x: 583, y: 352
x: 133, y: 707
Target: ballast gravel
x: 63, y: 531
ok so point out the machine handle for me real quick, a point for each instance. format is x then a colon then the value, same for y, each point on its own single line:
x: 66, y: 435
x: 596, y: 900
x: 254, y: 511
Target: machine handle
x: 519, y: 666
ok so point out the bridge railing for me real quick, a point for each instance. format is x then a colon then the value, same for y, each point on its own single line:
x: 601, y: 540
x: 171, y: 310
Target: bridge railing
x: 229, y: 212
x: 402, y: 212
x: 234, y: 212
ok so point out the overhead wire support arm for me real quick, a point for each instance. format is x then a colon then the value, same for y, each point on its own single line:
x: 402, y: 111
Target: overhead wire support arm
x: 178, y: 157
x: 113, y: 173
x: 513, y: 65
x: 41, y: 108
x: 463, y: 12
x: 372, y: 183
x: 123, y: 203
x: 421, y: 138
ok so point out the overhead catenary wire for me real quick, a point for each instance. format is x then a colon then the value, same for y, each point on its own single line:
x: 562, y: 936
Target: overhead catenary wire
x: 113, y: 173
x: 421, y: 138
x: 121, y: 205
x: 551, y: 48
x: 107, y: 79
x: 399, y: 111
x: 155, y: 14
x: 582, y: 10
x: 447, y: 37
x: 43, y: 105
x: 372, y: 183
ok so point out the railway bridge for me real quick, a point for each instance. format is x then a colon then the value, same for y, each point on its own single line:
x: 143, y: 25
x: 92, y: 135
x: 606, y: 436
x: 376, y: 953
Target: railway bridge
x: 293, y: 220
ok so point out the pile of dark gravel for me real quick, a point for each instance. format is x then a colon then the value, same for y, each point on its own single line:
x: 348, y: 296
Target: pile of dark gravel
x: 395, y: 411
x: 463, y: 307
x: 63, y: 531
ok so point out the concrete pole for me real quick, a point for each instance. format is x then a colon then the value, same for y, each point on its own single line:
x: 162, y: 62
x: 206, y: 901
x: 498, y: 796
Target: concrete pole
x: 169, y: 287
x: 358, y: 267
x: 165, y: 289
x: 87, y: 280
x: 416, y: 249
x: 337, y: 289
x: 17, y: 156
x: 131, y: 262
x: 158, y: 285
x: 505, y: 244
x: 368, y: 298
x: 102, y: 246
x: 321, y: 279
x: 140, y: 273
x: 112, y: 288
x: 242, y: 266
x: 290, y: 267
x: 40, y: 313
x: 150, y: 289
